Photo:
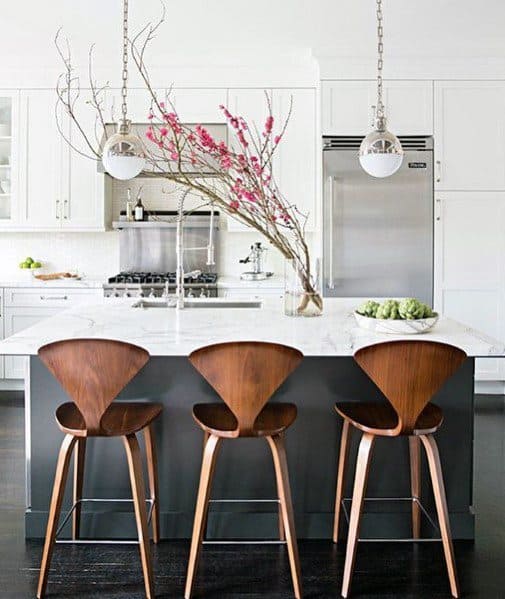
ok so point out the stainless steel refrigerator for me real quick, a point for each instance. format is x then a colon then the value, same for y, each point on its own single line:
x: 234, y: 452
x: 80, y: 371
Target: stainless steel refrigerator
x: 378, y: 233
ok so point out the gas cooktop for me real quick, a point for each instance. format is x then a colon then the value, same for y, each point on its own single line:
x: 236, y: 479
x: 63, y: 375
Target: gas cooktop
x: 147, y: 278
x: 154, y: 284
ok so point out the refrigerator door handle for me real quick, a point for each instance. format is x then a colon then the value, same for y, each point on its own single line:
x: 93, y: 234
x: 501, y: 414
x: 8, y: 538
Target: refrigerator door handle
x: 331, y: 201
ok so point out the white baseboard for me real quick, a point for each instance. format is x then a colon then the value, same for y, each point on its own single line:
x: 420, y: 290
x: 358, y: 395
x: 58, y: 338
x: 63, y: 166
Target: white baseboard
x: 12, y: 385
x: 490, y: 387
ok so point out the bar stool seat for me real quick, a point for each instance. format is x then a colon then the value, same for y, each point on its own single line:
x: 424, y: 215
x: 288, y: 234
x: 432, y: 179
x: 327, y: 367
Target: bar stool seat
x: 126, y: 418
x: 382, y: 420
x: 218, y: 419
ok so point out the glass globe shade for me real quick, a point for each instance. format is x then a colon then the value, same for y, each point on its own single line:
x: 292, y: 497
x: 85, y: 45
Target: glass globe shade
x: 123, y: 156
x: 380, y: 154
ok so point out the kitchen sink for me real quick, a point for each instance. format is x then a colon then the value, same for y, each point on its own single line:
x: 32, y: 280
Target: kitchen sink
x: 207, y: 302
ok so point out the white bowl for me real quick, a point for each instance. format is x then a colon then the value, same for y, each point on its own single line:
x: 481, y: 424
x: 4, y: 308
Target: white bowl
x: 396, y: 327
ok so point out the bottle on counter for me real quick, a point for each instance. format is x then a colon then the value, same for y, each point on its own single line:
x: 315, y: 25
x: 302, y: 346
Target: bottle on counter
x: 129, y: 205
x: 139, y: 212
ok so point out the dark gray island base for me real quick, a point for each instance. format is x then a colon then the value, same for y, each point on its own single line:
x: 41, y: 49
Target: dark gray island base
x: 244, y: 468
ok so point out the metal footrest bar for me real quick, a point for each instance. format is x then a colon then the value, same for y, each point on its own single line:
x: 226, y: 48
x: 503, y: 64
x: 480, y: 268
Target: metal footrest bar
x: 245, y: 541
x: 346, y: 500
x: 150, y: 502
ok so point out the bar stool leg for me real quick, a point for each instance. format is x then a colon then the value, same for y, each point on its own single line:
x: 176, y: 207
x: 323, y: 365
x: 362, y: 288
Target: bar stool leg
x: 139, y: 500
x: 360, y: 480
x: 152, y: 473
x: 430, y: 445
x: 79, y: 457
x: 342, y: 463
x: 415, y: 483
x: 281, y: 471
x: 208, y: 465
x: 60, y: 479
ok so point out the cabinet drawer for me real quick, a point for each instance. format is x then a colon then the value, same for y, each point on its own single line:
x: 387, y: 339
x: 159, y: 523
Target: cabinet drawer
x: 44, y: 297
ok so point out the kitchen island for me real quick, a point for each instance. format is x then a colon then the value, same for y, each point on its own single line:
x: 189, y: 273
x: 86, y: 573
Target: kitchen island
x: 327, y: 374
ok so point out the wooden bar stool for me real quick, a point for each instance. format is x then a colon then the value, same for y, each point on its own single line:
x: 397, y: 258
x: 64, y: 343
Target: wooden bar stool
x: 408, y: 373
x: 245, y: 375
x: 93, y: 372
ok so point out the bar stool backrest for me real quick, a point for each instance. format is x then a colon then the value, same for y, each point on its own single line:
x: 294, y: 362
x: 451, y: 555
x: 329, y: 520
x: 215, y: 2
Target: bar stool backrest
x: 246, y: 374
x: 93, y: 372
x: 409, y: 373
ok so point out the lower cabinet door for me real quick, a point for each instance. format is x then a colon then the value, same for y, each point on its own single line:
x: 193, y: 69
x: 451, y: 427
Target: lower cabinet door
x: 17, y: 319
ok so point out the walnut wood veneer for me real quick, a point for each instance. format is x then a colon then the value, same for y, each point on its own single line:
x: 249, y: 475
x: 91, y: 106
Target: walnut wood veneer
x: 245, y: 375
x: 408, y: 373
x: 93, y: 372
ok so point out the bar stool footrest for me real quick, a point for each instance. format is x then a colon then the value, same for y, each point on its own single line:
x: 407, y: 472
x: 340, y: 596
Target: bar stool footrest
x: 66, y: 518
x: 348, y: 500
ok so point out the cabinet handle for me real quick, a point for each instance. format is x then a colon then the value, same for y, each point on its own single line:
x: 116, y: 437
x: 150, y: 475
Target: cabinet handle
x: 58, y: 209
x: 438, y: 209
x: 439, y: 171
x: 65, y: 209
x: 54, y: 297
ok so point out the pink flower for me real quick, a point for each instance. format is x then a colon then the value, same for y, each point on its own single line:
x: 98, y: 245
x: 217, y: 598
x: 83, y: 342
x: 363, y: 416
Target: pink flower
x: 277, y: 139
x: 226, y: 112
x: 226, y: 162
x: 242, y: 139
x: 269, y: 123
x: 160, y: 144
x: 174, y: 156
x: 234, y: 204
x: 162, y: 104
x: 163, y: 132
x: 234, y: 122
x: 149, y: 135
x: 150, y: 116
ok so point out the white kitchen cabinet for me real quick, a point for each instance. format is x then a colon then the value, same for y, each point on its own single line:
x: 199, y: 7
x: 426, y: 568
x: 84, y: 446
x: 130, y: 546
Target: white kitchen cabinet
x: 470, y: 135
x: 469, y: 266
x: 348, y: 107
x: 60, y: 188
x: 9, y: 157
x: 41, y: 162
x: 26, y: 306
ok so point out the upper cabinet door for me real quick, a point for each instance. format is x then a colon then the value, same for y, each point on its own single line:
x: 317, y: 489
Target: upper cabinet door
x: 9, y: 157
x: 409, y: 106
x: 198, y: 105
x: 82, y: 186
x: 470, y: 135
x: 295, y: 166
x: 41, y: 161
x: 348, y: 107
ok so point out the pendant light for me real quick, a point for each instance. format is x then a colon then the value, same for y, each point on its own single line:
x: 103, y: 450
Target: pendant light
x: 123, y: 154
x: 380, y: 153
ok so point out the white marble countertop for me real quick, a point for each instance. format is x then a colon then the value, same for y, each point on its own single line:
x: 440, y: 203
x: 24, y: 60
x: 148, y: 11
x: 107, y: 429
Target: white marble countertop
x: 30, y: 281
x: 230, y: 282
x: 168, y: 332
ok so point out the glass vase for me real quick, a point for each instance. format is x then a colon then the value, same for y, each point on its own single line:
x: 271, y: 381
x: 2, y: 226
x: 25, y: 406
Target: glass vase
x: 301, y: 296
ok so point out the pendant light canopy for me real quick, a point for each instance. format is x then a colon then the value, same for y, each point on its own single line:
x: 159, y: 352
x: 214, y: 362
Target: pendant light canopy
x: 380, y: 153
x: 123, y: 154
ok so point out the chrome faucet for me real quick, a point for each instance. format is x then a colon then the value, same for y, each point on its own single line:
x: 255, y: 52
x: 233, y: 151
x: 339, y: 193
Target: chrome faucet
x: 180, y: 249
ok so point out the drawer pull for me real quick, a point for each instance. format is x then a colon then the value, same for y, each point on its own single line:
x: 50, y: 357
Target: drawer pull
x: 53, y: 297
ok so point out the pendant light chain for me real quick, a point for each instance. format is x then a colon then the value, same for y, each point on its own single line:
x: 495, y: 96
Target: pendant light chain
x: 125, y: 61
x: 380, y: 61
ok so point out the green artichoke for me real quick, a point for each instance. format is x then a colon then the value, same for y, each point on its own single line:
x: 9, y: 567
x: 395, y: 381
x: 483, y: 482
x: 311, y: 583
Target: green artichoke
x: 369, y: 309
x: 411, y: 309
x: 389, y: 310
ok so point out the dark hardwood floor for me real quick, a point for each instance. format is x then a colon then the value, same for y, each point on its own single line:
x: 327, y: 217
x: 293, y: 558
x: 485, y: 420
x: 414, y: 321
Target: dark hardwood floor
x: 386, y: 571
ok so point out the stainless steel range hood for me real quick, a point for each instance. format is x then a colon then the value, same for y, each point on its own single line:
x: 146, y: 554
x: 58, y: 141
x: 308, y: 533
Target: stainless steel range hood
x: 219, y: 132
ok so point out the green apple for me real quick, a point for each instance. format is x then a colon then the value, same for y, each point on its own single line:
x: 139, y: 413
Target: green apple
x: 22, y: 265
x: 36, y: 264
x: 28, y: 260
